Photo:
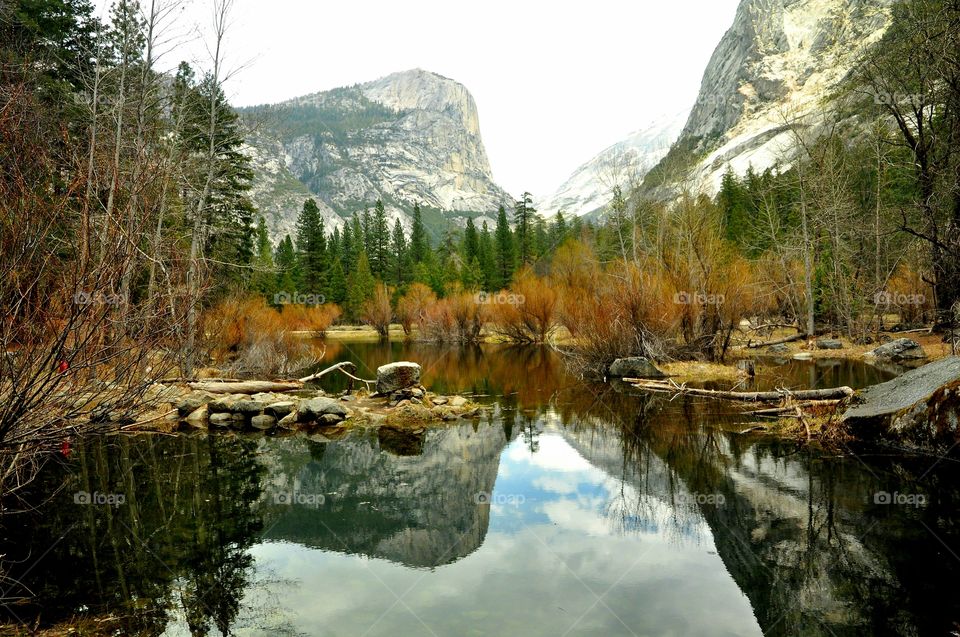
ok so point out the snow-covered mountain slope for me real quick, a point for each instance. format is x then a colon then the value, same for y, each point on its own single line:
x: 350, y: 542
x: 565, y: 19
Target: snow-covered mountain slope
x: 625, y: 163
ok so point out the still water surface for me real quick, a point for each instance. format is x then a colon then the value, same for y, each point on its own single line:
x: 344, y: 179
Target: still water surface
x: 564, y: 510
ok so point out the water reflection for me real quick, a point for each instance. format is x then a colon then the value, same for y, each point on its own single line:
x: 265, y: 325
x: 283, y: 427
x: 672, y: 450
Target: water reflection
x: 564, y: 510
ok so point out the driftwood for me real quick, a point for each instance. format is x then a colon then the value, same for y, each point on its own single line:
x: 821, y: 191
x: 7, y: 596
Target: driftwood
x: 257, y: 386
x: 786, y: 339
x: 832, y: 393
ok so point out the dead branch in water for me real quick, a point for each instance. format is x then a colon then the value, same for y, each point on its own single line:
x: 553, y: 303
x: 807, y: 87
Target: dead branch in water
x: 832, y: 393
x: 257, y: 386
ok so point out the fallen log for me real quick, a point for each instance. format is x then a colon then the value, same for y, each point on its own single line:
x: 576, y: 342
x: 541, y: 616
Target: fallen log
x: 831, y: 393
x: 786, y: 339
x: 257, y: 386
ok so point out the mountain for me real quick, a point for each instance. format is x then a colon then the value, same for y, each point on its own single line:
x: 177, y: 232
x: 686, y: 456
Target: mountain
x: 624, y: 163
x: 409, y: 137
x: 769, y: 77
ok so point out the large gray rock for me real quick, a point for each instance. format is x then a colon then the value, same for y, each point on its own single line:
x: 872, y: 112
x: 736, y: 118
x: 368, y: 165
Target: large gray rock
x: 829, y: 343
x: 920, y: 409
x: 394, y: 376
x: 634, y: 367
x: 902, y: 349
x: 263, y: 423
x: 193, y: 401
x: 312, y: 409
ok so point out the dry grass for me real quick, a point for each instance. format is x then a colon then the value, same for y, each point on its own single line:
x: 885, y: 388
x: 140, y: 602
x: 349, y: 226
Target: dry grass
x: 698, y: 371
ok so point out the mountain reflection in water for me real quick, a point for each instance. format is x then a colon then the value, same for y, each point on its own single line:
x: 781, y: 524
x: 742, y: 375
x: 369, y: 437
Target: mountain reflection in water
x: 563, y: 510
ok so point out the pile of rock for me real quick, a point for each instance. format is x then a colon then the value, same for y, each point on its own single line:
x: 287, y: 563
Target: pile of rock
x: 262, y: 412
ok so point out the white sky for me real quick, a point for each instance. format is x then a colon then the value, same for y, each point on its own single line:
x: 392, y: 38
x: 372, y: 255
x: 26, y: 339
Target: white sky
x: 554, y: 82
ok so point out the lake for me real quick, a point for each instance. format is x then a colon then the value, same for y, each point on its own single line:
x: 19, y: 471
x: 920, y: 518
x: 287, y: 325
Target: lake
x: 565, y: 509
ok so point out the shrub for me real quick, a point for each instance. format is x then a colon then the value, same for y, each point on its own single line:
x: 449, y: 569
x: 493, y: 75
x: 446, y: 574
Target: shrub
x: 316, y: 319
x: 412, y: 306
x: 377, y: 311
x: 456, y: 318
x: 250, y: 337
x: 527, y: 313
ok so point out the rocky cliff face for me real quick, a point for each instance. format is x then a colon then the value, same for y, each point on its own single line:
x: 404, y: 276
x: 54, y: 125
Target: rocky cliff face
x: 409, y: 137
x: 770, y: 76
x: 625, y: 163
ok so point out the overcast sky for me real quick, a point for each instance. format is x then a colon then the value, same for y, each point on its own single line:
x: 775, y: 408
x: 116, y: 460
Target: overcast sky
x: 554, y: 82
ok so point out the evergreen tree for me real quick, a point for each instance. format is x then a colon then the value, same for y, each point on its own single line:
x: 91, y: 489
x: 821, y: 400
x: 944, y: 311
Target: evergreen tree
x: 337, y: 285
x: 471, y: 248
x: 368, y: 242
x: 360, y: 286
x: 399, y: 254
x: 419, y: 246
x: 347, y: 245
x: 263, y: 280
x: 286, y: 260
x: 485, y: 255
x: 503, y: 246
x: 381, y: 242
x: 523, y: 219
x: 312, y: 248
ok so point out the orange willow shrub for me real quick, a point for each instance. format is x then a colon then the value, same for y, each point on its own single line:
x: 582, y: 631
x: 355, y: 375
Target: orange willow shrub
x: 629, y: 311
x: 412, y: 306
x: 456, y: 318
x: 314, y: 318
x: 250, y: 336
x: 527, y: 313
x: 377, y: 311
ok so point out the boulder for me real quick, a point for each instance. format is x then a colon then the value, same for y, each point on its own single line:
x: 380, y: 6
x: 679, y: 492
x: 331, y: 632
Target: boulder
x: 193, y: 401
x: 634, y: 367
x: 289, y: 421
x: 330, y: 419
x: 280, y: 409
x: 394, y: 376
x: 248, y: 408
x: 829, y: 343
x: 779, y: 348
x: 197, y: 417
x: 312, y: 409
x: 901, y: 349
x: 222, y: 405
x: 458, y: 401
x: 920, y: 409
x: 221, y: 419
x: 263, y: 422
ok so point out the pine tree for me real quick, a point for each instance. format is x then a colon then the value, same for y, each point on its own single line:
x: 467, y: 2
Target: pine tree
x: 368, y: 242
x: 471, y: 248
x: 523, y: 221
x: 418, y: 238
x: 485, y: 255
x: 347, y: 245
x: 286, y: 260
x: 337, y: 285
x: 263, y: 280
x: 381, y: 242
x: 503, y: 256
x: 312, y: 249
x: 399, y: 254
x: 360, y: 286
